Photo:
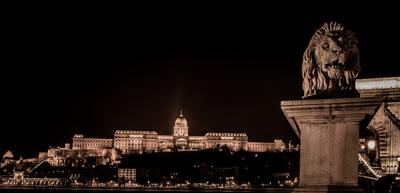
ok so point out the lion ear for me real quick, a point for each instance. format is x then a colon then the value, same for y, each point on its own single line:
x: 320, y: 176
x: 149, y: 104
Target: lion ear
x: 308, y: 71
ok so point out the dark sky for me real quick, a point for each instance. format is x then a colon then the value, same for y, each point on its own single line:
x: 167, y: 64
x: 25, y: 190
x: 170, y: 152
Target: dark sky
x: 91, y: 72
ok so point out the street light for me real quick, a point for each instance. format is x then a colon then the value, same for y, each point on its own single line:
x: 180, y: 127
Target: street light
x: 371, y: 144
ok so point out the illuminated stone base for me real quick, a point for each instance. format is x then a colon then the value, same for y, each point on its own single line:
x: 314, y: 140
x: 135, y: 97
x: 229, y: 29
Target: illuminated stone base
x: 326, y: 189
x: 328, y: 130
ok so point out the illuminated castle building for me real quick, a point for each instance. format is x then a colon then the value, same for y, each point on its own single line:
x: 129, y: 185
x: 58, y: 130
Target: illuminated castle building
x: 137, y: 141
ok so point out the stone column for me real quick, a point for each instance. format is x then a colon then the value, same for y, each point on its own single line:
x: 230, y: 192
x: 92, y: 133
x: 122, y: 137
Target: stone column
x: 328, y: 131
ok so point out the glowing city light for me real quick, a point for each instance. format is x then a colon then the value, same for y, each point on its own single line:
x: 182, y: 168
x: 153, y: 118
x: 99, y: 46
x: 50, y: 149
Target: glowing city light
x: 371, y: 144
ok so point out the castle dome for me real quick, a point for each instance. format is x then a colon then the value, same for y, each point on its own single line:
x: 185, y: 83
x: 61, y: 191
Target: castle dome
x: 181, y: 121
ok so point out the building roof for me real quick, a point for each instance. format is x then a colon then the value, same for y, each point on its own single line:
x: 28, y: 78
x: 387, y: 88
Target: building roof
x: 135, y: 132
x: 219, y: 134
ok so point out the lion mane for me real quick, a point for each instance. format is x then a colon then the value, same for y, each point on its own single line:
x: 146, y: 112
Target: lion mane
x: 331, y: 63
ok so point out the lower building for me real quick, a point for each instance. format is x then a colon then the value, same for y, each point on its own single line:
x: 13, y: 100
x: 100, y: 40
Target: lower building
x: 260, y: 147
x: 65, y: 156
x: 79, y: 142
x: 127, y: 174
x: 235, y: 141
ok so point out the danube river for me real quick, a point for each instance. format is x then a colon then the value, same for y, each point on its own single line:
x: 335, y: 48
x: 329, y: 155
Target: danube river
x: 171, y: 190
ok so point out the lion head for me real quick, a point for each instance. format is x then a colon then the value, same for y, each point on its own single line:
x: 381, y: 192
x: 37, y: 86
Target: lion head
x: 331, y: 63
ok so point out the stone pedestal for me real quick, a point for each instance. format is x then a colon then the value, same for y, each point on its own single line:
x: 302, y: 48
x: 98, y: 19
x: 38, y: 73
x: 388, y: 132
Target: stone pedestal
x: 328, y: 131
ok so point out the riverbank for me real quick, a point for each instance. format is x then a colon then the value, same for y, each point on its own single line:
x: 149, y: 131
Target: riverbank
x: 38, y: 189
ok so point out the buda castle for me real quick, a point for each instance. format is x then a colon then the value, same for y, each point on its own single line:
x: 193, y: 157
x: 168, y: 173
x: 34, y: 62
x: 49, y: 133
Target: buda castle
x: 139, y: 141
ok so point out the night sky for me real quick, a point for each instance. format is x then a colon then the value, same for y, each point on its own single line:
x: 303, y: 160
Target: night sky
x: 92, y: 72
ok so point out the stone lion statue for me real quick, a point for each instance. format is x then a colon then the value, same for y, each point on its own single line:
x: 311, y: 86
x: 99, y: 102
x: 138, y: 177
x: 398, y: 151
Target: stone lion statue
x: 331, y: 63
